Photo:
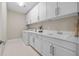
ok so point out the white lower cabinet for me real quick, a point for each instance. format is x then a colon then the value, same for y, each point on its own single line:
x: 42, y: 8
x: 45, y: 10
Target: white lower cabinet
x: 38, y: 43
x: 51, y: 46
x: 32, y: 39
x: 47, y: 47
x: 25, y: 38
x: 60, y: 51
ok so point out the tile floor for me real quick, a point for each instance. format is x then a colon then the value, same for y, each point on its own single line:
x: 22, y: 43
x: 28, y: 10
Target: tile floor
x: 16, y: 47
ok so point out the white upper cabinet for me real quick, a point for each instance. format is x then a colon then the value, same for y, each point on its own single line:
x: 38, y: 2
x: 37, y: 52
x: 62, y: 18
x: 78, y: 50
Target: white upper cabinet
x: 51, y: 9
x: 34, y: 14
x: 28, y: 18
x: 31, y: 16
x: 66, y: 8
x: 42, y: 11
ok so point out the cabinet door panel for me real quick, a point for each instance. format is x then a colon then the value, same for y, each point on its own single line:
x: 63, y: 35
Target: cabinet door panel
x: 26, y: 37
x: 59, y: 51
x: 47, y: 48
x: 67, y: 7
x: 38, y: 43
x: 31, y: 16
x: 69, y: 45
x: 42, y: 11
x: 31, y: 39
x: 51, y: 9
x: 34, y: 14
x: 28, y: 18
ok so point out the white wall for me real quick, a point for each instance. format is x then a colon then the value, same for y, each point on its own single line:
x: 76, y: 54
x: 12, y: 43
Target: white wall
x: 0, y: 21
x: 3, y: 21
x: 16, y: 24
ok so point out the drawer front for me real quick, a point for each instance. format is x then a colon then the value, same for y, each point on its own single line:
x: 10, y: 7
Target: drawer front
x: 69, y: 45
x: 65, y: 44
x: 59, y: 51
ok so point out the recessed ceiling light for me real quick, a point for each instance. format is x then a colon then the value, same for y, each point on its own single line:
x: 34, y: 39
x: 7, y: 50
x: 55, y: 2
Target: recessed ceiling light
x: 20, y: 3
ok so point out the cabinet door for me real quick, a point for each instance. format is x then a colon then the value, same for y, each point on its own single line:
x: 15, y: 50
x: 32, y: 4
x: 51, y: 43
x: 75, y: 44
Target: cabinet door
x: 26, y: 37
x: 32, y: 39
x: 51, y: 9
x: 38, y: 43
x: 31, y: 16
x: 28, y: 18
x: 42, y: 11
x: 60, y: 51
x: 47, y: 47
x: 67, y: 8
x: 34, y: 17
x: 77, y: 50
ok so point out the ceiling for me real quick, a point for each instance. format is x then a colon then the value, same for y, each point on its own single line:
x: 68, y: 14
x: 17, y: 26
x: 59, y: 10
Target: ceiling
x: 21, y: 9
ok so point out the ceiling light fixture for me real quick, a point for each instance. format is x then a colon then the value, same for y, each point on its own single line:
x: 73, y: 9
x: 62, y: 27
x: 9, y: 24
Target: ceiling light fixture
x: 20, y: 3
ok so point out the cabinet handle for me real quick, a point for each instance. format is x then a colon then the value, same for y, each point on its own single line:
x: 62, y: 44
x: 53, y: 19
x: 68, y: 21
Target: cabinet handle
x: 52, y: 50
x: 38, y: 18
x: 57, y: 11
x: 33, y: 40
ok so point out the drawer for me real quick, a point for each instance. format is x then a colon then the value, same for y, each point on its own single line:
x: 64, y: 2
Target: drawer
x: 65, y: 44
x: 59, y: 51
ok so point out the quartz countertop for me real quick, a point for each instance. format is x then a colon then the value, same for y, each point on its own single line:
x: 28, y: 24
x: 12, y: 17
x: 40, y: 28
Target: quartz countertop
x: 67, y: 36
